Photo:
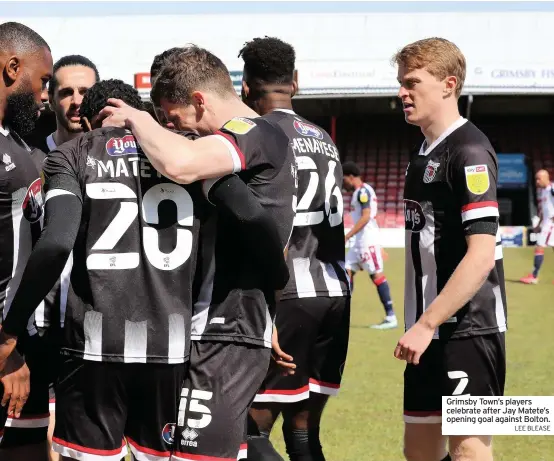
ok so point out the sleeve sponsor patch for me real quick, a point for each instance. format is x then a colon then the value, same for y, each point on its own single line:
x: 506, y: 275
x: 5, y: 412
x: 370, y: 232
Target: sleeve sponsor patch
x: 363, y: 197
x: 239, y: 125
x: 477, y: 179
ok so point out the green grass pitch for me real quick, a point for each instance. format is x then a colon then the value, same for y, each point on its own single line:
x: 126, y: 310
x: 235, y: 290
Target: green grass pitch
x: 364, y: 423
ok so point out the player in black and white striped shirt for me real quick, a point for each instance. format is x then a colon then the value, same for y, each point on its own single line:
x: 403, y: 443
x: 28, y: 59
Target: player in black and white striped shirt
x: 313, y: 316
x: 232, y: 326
x: 134, y: 236
x: 26, y: 64
x: 455, y: 301
x: 72, y: 76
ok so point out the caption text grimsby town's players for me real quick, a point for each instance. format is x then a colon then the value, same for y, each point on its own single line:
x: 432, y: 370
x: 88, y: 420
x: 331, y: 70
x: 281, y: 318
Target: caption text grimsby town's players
x: 144, y: 264
x: 26, y: 65
x: 455, y: 303
x: 313, y: 315
x: 232, y: 327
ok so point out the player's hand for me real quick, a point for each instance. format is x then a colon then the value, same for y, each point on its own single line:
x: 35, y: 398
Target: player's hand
x: 117, y: 114
x: 282, y: 359
x: 414, y: 343
x: 17, y: 385
x: 7, y: 345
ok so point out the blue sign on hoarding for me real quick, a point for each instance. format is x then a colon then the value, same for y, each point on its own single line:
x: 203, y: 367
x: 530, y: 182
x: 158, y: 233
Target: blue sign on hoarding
x: 512, y: 171
x: 513, y: 236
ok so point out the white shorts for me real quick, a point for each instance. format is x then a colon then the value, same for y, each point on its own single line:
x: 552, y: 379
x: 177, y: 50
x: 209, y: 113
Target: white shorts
x: 546, y: 236
x: 365, y: 257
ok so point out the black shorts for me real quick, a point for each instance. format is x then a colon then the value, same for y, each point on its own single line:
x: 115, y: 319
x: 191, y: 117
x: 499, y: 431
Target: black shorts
x: 219, y: 388
x: 32, y: 426
x: 51, y: 339
x: 466, y: 366
x: 100, y: 404
x: 315, y: 332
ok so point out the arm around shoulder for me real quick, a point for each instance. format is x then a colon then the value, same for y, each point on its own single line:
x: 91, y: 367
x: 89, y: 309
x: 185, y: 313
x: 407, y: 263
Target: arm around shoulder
x: 178, y: 158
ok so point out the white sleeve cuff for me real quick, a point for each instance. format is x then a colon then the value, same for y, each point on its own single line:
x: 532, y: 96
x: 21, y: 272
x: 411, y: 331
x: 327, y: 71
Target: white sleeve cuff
x: 56, y: 193
x: 479, y: 210
x: 237, y: 164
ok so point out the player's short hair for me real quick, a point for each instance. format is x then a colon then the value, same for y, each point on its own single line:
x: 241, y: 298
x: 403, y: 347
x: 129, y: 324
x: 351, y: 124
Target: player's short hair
x: 18, y: 37
x: 149, y: 107
x: 351, y: 168
x: 188, y: 70
x: 438, y: 56
x: 96, y: 97
x: 70, y: 60
x: 269, y: 60
x: 159, y: 61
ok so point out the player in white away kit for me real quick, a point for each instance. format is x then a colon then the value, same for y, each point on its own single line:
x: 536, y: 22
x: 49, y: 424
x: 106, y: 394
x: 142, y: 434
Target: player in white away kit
x: 365, y: 252
x: 545, y: 197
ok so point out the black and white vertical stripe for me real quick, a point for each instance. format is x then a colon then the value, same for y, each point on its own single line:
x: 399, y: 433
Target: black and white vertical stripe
x: 316, y: 278
x: 17, y: 239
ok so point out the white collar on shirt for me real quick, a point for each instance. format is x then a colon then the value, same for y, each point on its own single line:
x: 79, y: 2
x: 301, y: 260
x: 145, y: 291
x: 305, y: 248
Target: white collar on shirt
x: 457, y: 124
x: 4, y: 131
x: 50, y: 142
x: 286, y: 111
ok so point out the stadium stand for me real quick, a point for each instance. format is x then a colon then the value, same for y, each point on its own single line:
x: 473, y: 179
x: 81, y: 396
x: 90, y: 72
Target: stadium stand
x: 381, y: 148
x: 533, y: 136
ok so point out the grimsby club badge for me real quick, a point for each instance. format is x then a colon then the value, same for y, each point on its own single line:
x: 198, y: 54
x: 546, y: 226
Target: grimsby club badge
x: 430, y: 171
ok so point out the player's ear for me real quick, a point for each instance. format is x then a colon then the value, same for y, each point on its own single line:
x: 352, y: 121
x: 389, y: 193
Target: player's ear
x: 85, y: 124
x: 198, y: 99
x: 245, y: 90
x: 294, y: 88
x: 12, y: 68
x: 450, y: 87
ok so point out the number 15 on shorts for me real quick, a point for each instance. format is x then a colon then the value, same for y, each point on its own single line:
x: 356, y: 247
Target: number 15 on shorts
x: 194, y: 406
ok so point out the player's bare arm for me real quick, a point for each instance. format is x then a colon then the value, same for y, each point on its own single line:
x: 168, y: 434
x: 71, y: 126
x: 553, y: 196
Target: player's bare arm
x: 360, y: 224
x: 176, y: 157
x: 466, y: 280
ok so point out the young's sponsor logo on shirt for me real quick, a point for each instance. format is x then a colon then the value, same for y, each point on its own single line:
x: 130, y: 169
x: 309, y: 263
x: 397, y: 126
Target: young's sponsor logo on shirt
x: 116, y: 147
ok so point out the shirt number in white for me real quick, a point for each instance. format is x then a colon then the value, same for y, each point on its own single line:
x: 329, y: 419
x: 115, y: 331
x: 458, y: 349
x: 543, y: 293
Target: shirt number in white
x: 304, y: 217
x: 127, y: 213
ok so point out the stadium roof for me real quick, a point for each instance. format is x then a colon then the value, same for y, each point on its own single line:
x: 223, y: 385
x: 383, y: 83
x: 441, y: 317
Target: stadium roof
x: 337, y: 53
